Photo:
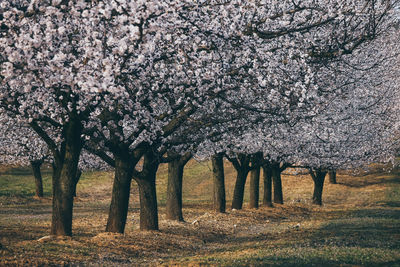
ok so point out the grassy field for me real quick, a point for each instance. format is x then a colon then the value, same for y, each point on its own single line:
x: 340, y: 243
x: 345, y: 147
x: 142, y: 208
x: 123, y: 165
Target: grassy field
x: 358, y: 225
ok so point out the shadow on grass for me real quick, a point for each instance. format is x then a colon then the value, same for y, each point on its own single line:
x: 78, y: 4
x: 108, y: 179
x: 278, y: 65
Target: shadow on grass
x: 13, y: 233
x: 368, y: 237
x: 364, y: 229
x: 393, y: 204
x: 360, y: 183
x: 24, y: 196
x: 298, y: 262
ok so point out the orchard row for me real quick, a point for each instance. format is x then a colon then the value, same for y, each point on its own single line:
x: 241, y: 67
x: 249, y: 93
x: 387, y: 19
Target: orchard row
x: 128, y: 85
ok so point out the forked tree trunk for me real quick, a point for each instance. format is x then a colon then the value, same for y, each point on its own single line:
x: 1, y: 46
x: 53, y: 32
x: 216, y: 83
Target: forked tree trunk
x: 174, y: 188
x: 238, y: 192
x: 254, y: 187
x: 38, y: 177
x: 242, y: 167
x: 147, y: 193
x: 120, y: 195
x: 64, y: 180
x: 277, y: 181
x: 332, y: 177
x: 267, y: 173
x: 219, y: 200
x: 318, y: 178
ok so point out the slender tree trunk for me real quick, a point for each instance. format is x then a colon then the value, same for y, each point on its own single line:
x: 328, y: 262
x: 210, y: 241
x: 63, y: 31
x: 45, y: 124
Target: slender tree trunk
x: 174, y: 190
x: 120, y: 195
x: 219, y: 200
x: 238, y: 193
x: 267, y: 173
x: 277, y: 181
x: 38, y: 177
x: 319, y: 178
x: 147, y: 193
x: 64, y: 180
x: 254, y: 187
x: 332, y: 177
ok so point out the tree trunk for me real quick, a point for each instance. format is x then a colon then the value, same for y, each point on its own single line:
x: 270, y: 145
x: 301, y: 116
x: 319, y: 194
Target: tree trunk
x: 78, y: 176
x: 219, y: 201
x: 64, y: 180
x: 319, y: 178
x: 277, y: 181
x: 147, y: 193
x: 267, y: 173
x: 254, y: 187
x: 332, y: 177
x: 242, y: 166
x: 148, y: 204
x: 120, y: 195
x: 238, y: 193
x: 174, y: 188
x: 38, y: 177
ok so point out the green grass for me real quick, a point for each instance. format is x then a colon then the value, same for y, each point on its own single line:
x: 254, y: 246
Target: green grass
x: 393, y: 195
x: 91, y: 179
x: 304, y: 256
x: 197, y: 183
x: 359, y: 225
x: 367, y: 236
x: 23, y: 185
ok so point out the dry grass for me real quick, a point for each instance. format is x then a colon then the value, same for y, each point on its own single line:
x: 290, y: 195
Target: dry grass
x: 359, y: 224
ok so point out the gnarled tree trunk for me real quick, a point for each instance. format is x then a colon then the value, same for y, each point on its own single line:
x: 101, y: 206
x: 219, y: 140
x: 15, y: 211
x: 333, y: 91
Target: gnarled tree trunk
x: 174, y: 188
x: 120, y: 195
x: 219, y: 201
x: 267, y: 173
x: 37, y: 174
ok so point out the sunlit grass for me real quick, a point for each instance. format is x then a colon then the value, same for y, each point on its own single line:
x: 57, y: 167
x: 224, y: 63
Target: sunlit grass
x: 23, y: 185
x: 357, y: 225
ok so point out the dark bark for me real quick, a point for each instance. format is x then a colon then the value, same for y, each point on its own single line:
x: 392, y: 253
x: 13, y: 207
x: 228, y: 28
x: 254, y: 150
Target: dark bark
x: 267, y: 173
x: 254, y: 187
x: 147, y: 192
x: 174, y: 188
x: 318, y: 177
x: 174, y: 191
x: 242, y: 166
x: 238, y: 193
x: 277, y: 181
x: 219, y: 200
x: 64, y: 175
x: 78, y: 176
x: 37, y: 174
x: 332, y: 177
x: 120, y: 195
x: 124, y: 162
